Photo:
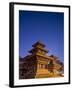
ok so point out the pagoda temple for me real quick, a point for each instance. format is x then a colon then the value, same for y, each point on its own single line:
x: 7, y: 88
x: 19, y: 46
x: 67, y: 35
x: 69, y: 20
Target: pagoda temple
x: 40, y: 65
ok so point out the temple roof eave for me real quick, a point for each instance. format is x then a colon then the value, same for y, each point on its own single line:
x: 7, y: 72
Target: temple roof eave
x: 44, y: 56
x: 38, y: 48
x: 37, y: 43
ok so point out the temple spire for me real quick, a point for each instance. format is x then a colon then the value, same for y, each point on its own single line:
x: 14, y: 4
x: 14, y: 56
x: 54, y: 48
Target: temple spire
x: 38, y: 43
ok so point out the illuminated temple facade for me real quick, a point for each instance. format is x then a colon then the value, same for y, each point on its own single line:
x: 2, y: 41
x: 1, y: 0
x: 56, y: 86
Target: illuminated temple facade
x: 40, y: 65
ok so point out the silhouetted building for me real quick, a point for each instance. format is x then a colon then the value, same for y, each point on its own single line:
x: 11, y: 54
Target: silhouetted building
x: 39, y: 65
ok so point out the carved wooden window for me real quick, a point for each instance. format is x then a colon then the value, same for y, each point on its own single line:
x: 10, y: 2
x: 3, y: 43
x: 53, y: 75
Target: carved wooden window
x: 41, y: 65
x: 46, y: 66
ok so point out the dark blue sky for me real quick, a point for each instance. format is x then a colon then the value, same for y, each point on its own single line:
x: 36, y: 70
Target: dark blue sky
x: 47, y: 27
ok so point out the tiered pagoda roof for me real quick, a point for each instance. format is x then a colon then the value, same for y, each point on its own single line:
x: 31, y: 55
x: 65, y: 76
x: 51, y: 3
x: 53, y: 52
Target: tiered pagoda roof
x: 38, y: 46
